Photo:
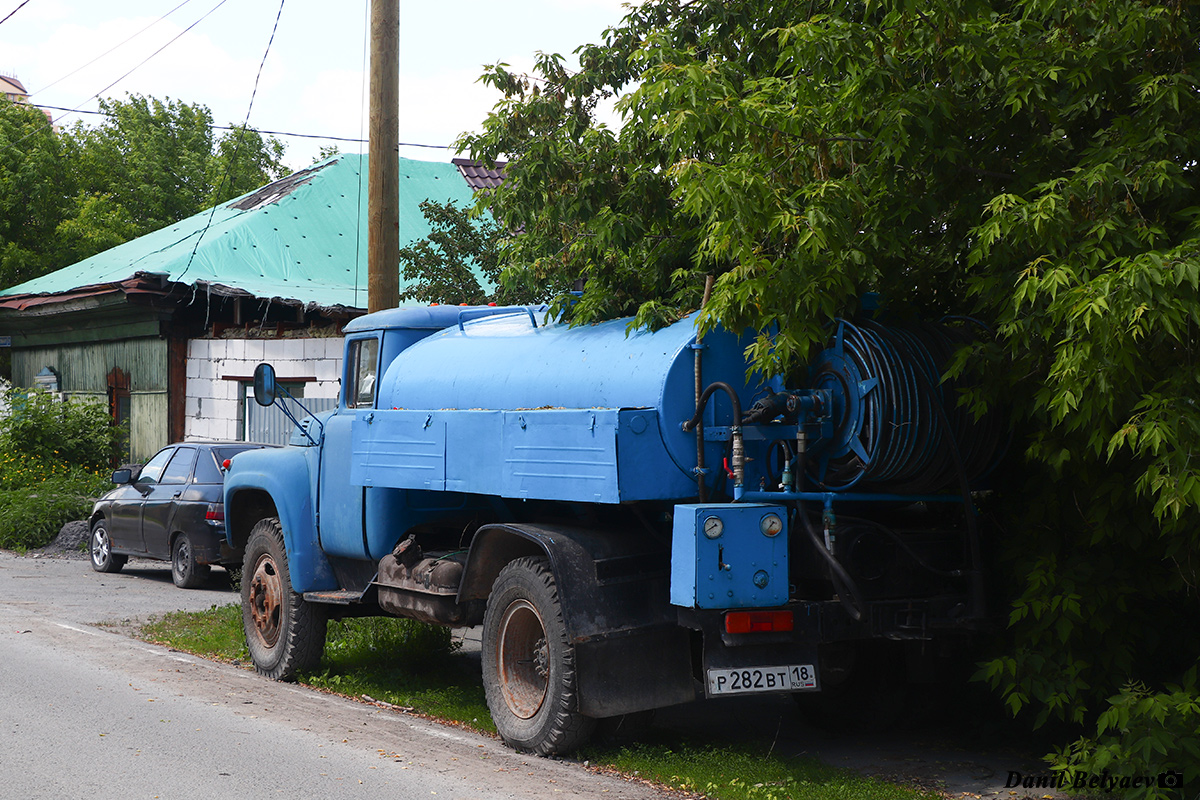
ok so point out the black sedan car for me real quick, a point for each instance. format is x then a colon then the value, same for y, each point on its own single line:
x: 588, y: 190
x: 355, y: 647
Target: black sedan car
x: 170, y: 510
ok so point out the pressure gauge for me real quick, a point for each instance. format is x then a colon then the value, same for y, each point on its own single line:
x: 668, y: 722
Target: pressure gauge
x: 771, y: 525
x: 713, y: 527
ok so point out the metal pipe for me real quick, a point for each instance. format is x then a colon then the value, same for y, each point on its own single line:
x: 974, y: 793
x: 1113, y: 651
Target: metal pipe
x: 698, y: 347
x: 738, y: 456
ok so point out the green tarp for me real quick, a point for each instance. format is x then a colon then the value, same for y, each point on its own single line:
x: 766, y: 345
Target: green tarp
x: 302, y: 238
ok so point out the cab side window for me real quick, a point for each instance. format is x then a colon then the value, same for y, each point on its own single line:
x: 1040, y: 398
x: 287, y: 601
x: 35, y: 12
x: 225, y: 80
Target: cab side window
x: 364, y: 366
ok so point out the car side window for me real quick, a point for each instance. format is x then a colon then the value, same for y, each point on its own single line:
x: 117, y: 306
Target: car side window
x: 364, y: 363
x: 153, y: 468
x: 180, y: 467
x: 207, y: 469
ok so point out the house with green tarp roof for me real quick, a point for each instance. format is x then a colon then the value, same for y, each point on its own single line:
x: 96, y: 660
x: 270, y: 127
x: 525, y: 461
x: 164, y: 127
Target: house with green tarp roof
x: 167, y: 328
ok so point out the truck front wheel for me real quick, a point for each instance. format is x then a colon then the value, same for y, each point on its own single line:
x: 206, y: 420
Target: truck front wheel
x: 283, y: 632
x: 529, y: 664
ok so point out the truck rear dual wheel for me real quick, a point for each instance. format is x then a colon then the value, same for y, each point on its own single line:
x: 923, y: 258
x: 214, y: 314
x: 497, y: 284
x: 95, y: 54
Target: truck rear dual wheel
x: 284, y: 633
x: 529, y: 673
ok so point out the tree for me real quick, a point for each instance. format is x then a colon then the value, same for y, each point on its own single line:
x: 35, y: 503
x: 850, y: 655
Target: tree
x: 68, y: 195
x: 1031, y: 163
x: 35, y: 191
x: 151, y: 156
x: 243, y: 160
x: 446, y: 266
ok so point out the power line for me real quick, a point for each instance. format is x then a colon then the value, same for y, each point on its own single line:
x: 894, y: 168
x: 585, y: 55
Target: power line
x: 270, y: 133
x: 156, y: 52
x: 15, y: 10
x: 114, y: 47
x: 237, y: 146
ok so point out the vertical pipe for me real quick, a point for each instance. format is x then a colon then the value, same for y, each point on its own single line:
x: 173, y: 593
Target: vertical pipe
x: 702, y: 487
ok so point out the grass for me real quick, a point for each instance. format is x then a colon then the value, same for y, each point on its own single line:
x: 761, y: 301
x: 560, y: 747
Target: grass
x: 414, y: 666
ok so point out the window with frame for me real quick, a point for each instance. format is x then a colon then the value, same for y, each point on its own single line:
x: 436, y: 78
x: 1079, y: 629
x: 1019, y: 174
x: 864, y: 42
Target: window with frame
x: 363, y: 372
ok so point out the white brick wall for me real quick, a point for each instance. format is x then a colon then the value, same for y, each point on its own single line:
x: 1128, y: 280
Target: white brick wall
x: 213, y: 404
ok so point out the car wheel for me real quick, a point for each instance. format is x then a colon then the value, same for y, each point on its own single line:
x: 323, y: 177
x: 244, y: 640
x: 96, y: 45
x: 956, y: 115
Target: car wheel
x: 284, y: 633
x: 186, y: 573
x: 529, y: 672
x: 103, y: 558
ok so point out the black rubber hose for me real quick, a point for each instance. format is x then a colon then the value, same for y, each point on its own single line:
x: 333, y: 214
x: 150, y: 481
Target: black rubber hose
x: 712, y: 387
x: 854, y: 606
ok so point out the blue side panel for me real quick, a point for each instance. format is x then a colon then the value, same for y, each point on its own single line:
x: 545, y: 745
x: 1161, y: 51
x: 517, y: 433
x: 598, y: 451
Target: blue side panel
x: 641, y: 452
x: 473, y: 457
x: 400, y: 449
x: 720, y: 557
x: 568, y: 454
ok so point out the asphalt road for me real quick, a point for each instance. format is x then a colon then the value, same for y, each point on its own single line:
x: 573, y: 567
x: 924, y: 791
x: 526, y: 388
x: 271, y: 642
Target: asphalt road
x: 90, y: 713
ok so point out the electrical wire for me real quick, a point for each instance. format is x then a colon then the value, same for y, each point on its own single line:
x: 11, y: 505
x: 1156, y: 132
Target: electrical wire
x: 143, y: 62
x: 238, y: 143
x: 292, y: 134
x: 111, y: 49
x: 15, y: 10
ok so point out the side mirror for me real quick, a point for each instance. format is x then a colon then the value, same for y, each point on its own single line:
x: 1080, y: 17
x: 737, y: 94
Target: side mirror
x: 264, y: 384
x: 122, y: 476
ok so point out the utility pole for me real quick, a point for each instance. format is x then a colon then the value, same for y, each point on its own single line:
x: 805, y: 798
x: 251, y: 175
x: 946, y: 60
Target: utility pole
x: 383, y: 185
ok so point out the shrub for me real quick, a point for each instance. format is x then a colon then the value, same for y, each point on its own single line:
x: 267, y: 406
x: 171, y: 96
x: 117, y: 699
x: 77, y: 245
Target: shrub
x: 32, y: 515
x: 77, y: 431
x: 56, y: 457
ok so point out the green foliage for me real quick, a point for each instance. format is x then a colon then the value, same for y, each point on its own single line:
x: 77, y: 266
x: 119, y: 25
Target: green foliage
x: 65, y: 196
x: 76, y: 431
x: 243, y: 160
x: 1031, y: 163
x: 35, y: 192
x: 724, y: 773
x: 215, y: 633
x: 446, y: 266
x: 38, y: 496
x: 55, y: 464
x: 1144, y: 733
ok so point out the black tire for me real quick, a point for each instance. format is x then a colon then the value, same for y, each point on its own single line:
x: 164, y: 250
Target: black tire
x: 186, y: 573
x: 284, y: 633
x: 100, y: 547
x: 529, y: 672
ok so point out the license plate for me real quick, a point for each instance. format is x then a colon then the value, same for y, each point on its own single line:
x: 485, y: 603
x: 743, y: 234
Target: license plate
x: 762, y: 679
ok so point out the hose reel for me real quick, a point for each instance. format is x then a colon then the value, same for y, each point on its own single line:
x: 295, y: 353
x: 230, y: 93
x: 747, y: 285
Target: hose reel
x: 896, y: 426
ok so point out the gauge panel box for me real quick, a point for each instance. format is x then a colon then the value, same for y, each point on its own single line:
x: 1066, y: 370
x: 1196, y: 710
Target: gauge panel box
x: 729, y: 555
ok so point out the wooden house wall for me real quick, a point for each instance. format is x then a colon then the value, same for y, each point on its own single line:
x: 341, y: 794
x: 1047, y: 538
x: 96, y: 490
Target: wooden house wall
x: 83, y: 370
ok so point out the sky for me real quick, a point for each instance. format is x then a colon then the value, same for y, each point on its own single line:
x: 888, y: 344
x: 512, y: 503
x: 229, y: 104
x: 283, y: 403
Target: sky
x: 314, y: 79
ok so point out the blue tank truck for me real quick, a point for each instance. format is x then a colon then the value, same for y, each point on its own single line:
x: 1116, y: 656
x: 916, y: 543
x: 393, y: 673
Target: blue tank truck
x: 634, y: 519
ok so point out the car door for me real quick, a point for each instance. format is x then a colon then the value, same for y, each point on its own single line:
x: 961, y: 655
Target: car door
x: 161, y: 501
x: 125, y: 516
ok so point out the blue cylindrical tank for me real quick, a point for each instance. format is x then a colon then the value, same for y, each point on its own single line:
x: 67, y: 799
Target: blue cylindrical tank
x: 506, y: 363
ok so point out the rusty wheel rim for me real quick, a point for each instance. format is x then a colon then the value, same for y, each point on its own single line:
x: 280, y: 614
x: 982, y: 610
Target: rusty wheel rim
x: 523, y: 658
x: 266, y: 600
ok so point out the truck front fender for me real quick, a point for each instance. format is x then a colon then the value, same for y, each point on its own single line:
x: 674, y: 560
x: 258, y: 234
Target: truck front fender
x: 277, y: 483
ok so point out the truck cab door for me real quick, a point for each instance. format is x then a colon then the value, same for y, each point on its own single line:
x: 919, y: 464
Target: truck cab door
x: 340, y: 504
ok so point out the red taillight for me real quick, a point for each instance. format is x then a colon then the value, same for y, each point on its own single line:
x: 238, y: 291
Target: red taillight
x: 225, y: 464
x: 758, y: 622
x: 215, y: 512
